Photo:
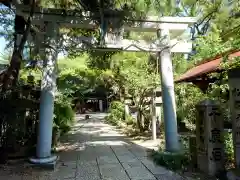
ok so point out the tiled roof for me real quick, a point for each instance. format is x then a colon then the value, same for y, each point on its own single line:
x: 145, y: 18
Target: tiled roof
x: 210, y: 66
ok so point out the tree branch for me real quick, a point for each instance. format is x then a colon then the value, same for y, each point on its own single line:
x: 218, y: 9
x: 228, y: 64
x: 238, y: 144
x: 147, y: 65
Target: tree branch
x: 207, y: 16
x: 28, y: 28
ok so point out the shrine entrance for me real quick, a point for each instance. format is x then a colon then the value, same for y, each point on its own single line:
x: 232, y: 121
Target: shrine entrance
x: 47, y: 23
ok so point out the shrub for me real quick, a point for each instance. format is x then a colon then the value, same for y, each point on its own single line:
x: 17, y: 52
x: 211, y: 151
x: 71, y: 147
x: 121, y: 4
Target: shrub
x: 63, y: 114
x: 116, y: 113
x: 172, y: 161
x: 228, y: 142
x: 187, y: 96
x: 117, y: 105
x: 130, y: 120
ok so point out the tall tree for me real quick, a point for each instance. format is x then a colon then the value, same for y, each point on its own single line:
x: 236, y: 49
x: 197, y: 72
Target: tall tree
x: 22, y: 28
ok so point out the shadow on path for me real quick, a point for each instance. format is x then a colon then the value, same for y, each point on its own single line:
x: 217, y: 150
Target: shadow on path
x: 104, y: 153
x: 94, y: 150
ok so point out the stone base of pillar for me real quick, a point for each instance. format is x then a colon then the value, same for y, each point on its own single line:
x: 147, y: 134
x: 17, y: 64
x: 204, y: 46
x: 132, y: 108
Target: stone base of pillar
x: 46, y: 163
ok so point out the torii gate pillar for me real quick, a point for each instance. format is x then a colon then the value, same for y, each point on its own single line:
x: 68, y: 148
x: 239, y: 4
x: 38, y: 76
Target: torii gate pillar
x: 48, y: 88
x: 168, y: 96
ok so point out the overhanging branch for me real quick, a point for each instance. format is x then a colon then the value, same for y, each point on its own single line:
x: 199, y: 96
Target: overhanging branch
x: 28, y: 28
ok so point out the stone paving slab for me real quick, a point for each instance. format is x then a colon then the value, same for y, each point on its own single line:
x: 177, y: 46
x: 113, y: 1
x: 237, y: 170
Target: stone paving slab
x: 115, y: 178
x: 124, y: 153
x: 113, y: 171
x: 107, y: 160
x: 95, y: 151
x: 87, y: 157
x: 66, y: 156
x: 155, y: 169
x: 139, y: 153
x: 64, y: 173
x: 84, y: 170
x: 108, y: 167
x: 121, y: 151
x: 88, y: 174
x: 11, y: 177
x: 87, y: 162
x: 115, y: 174
x: 88, y: 177
x: 127, y: 158
x: 139, y: 173
x: 129, y: 165
x: 169, y: 177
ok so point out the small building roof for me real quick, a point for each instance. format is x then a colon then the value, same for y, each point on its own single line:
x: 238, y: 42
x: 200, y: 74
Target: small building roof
x: 208, y: 66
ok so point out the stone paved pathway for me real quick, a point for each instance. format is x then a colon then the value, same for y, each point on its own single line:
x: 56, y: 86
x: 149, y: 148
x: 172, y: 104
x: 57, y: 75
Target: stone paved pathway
x: 94, y: 150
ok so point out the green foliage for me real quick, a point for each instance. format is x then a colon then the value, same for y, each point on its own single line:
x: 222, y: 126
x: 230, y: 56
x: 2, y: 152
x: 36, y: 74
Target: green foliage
x: 211, y: 45
x: 187, y: 96
x: 77, y: 80
x: 230, y: 64
x: 130, y: 120
x: 172, y: 161
x: 63, y: 114
x: 117, y: 105
x: 131, y: 75
x: 36, y: 73
x: 116, y: 113
x: 99, y: 60
x: 228, y: 142
x: 73, y: 63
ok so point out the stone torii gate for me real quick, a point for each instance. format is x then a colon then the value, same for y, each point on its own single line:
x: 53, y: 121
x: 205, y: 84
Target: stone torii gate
x: 49, y: 21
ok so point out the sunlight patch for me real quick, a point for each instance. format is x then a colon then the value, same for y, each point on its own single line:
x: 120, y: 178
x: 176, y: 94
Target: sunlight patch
x: 109, y: 143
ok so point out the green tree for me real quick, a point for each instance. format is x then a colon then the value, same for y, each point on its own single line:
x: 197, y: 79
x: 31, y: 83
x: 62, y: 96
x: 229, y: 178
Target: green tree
x: 140, y: 83
x: 132, y: 76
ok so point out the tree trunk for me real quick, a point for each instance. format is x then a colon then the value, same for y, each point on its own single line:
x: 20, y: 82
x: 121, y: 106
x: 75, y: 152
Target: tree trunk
x: 139, y: 120
x: 11, y: 76
x: 22, y: 29
x: 121, y: 94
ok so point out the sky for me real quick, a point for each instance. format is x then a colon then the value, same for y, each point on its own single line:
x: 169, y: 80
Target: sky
x: 3, y: 44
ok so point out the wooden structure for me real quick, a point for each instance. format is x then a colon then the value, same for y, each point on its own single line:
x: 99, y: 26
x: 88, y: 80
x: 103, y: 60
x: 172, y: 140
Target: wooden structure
x: 199, y: 75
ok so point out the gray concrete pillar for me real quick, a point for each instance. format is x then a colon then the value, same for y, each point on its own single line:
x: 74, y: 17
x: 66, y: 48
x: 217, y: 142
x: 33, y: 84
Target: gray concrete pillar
x: 101, y: 105
x: 154, y: 119
x: 48, y: 88
x: 168, y: 96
